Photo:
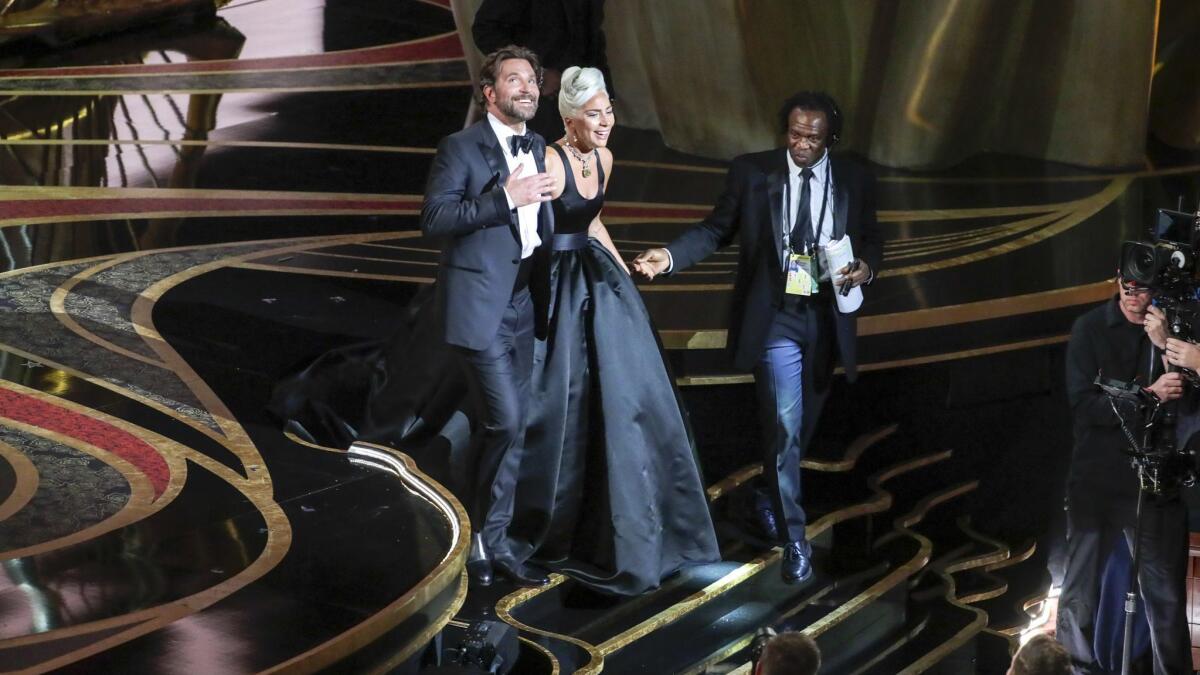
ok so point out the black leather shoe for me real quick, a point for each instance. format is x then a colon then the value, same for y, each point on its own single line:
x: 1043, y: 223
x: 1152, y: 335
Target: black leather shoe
x: 479, y: 562
x: 795, y: 566
x: 765, y: 519
x: 522, y: 575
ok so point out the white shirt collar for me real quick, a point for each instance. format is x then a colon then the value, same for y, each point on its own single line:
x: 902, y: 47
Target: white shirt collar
x: 819, y: 169
x: 502, y: 130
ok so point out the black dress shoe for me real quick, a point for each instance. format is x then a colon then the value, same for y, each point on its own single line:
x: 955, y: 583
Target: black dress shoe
x: 761, y: 517
x: 479, y: 562
x: 795, y: 566
x: 765, y: 519
x: 522, y: 575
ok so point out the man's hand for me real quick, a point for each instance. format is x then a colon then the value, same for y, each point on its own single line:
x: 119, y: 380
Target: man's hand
x: 528, y: 189
x: 551, y: 81
x: 1155, y: 324
x: 1182, y: 353
x: 856, y: 274
x: 652, y: 263
x: 1168, y: 387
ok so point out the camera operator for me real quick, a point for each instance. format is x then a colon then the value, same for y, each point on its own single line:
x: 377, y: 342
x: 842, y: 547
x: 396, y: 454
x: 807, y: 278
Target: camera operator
x: 1114, y: 340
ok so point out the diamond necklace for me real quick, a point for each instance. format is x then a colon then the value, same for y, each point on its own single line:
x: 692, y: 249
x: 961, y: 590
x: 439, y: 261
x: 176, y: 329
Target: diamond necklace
x: 583, y: 159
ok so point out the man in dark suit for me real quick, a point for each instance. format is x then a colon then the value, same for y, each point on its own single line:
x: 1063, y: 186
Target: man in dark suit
x: 486, y: 199
x: 788, y: 204
x: 564, y: 33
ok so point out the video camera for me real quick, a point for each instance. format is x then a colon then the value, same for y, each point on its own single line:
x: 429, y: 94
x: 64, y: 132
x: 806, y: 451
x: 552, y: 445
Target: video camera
x: 487, y: 647
x: 1166, y: 265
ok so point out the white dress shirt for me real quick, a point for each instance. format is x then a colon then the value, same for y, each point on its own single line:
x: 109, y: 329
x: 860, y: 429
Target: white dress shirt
x: 527, y: 216
x: 820, y: 188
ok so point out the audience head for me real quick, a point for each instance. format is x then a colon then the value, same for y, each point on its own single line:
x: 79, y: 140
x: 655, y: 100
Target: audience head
x: 585, y: 107
x: 811, y: 123
x: 1042, y: 655
x: 789, y: 653
x: 509, y: 83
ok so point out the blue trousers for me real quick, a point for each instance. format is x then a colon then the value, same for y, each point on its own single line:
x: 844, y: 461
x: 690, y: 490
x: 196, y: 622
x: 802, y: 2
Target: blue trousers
x: 792, y: 379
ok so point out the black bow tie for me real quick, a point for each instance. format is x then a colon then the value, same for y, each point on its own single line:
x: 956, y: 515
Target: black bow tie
x: 519, y: 143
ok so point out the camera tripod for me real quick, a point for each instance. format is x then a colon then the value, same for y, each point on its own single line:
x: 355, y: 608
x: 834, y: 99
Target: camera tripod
x: 1156, y: 460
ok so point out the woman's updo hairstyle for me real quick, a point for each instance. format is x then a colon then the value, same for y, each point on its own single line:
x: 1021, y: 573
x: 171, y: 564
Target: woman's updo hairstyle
x: 577, y: 87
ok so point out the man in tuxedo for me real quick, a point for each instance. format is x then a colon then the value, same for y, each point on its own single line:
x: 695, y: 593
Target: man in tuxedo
x: 788, y: 204
x: 564, y: 33
x: 487, y: 199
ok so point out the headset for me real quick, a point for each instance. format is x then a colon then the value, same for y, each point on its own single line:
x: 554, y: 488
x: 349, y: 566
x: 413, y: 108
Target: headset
x: 814, y: 100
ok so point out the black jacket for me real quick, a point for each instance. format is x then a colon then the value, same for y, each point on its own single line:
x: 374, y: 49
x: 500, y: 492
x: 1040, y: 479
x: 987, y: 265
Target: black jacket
x: 1104, y: 342
x: 751, y: 207
x: 466, y: 207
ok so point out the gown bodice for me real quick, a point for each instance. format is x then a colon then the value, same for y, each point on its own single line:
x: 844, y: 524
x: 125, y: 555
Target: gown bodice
x: 573, y: 213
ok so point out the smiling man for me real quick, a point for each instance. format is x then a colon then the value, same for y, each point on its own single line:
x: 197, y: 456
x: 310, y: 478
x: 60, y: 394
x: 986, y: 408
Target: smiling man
x: 486, y: 200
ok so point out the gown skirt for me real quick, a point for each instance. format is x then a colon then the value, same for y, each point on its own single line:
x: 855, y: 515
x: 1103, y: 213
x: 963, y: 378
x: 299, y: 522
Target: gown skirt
x: 609, y: 489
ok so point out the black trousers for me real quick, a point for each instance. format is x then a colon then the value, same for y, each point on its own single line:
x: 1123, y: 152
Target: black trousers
x: 1094, y: 522
x: 498, y: 377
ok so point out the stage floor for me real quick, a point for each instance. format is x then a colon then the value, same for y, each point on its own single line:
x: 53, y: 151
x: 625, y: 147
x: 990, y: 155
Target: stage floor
x: 191, y: 210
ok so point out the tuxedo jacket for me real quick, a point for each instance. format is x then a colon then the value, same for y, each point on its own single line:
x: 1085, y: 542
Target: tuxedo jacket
x: 752, y: 206
x: 466, y: 207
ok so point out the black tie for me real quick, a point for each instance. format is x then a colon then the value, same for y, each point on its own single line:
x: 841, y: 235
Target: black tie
x: 519, y: 143
x: 802, y: 229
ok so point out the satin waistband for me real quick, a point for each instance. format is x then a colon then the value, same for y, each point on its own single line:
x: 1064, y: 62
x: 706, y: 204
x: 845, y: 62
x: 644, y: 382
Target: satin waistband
x: 570, y: 242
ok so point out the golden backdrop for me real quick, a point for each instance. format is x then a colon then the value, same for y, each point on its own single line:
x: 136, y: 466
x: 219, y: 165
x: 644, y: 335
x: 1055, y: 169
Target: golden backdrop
x: 922, y: 83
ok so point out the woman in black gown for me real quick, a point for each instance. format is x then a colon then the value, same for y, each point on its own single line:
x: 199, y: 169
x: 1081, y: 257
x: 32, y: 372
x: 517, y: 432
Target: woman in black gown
x: 609, y: 490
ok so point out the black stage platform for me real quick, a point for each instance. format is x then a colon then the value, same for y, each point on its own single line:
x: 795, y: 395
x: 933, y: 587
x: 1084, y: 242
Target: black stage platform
x: 192, y: 209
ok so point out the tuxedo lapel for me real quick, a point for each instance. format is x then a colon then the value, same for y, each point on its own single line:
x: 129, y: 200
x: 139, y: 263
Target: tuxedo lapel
x: 776, y: 182
x: 539, y: 152
x: 489, y: 147
x: 841, y: 199
x: 546, y: 213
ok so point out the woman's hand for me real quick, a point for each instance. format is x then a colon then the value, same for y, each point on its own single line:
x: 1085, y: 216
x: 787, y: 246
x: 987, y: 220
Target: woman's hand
x: 1183, y: 354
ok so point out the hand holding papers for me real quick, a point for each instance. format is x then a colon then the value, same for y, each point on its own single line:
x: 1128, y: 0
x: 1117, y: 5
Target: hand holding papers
x: 839, y: 254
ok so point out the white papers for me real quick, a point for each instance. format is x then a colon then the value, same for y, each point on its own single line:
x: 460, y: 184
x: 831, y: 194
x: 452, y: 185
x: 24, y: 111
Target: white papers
x: 838, y: 254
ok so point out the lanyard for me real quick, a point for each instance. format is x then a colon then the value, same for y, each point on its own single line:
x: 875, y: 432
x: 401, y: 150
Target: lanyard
x: 791, y: 213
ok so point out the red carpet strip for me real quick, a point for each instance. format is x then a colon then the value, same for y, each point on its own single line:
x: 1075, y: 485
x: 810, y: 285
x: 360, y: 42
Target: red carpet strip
x: 36, y: 412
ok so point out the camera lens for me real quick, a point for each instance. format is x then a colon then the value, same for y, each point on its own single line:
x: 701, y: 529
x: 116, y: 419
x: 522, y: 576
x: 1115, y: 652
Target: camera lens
x: 1139, y: 262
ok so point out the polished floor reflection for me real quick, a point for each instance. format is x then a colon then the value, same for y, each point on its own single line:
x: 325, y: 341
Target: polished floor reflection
x: 190, y: 209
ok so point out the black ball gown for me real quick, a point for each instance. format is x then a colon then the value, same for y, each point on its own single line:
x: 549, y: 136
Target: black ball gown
x: 609, y: 489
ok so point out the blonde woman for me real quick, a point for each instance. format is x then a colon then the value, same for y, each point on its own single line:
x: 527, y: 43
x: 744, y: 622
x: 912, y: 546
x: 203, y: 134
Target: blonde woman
x: 609, y: 490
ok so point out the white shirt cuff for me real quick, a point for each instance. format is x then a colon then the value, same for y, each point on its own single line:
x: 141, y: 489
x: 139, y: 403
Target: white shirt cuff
x: 670, y: 261
x: 511, y: 204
